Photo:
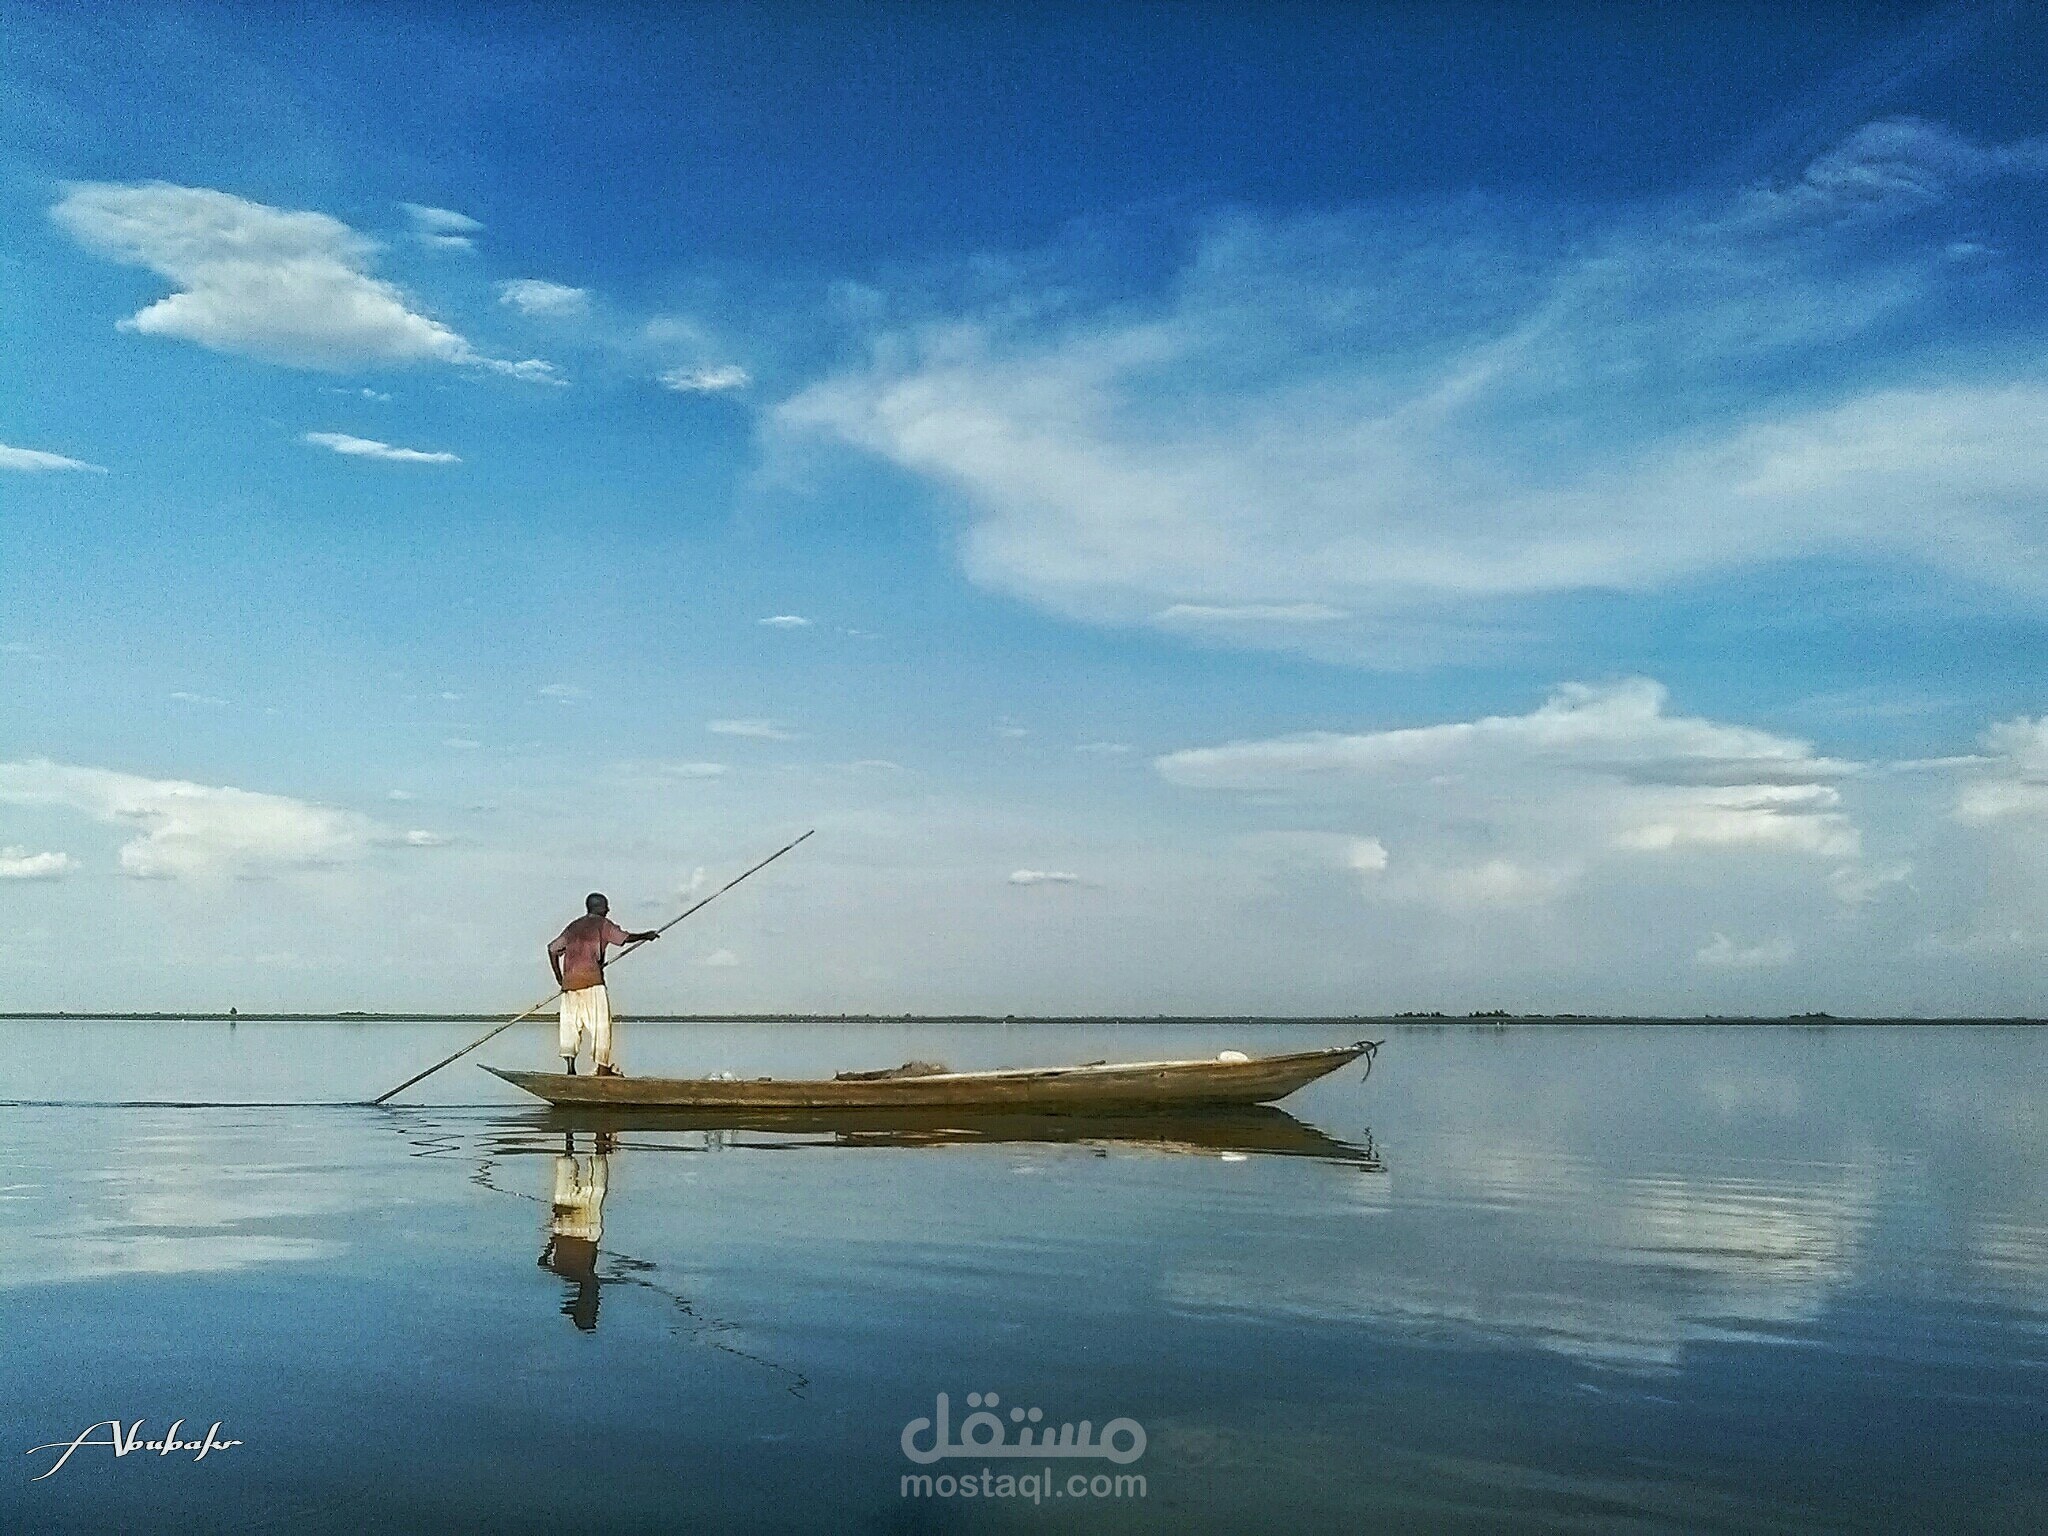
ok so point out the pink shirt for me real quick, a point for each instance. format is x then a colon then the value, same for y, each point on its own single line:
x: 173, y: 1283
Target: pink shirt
x: 581, y: 947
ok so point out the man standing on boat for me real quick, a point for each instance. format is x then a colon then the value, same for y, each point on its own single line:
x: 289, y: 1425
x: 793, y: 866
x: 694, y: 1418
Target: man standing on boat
x: 577, y: 959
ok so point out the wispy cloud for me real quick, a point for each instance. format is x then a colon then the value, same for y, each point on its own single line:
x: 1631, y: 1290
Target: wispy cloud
x: 1249, y: 613
x: 716, y: 379
x: 189, y: 830
x: 289, y: 286
x: 20, y: 864
x: 1858, y: 884
x: 1350, y: 431
x: 1043, y: 877
x: 442, y: 228
x: 536, y: 296
x: 760, y: 730
x: 210, y: 700
x: 564, y: 693
x: 531, y: 370
x: 35, y: 461
x: 1724, y: 951
x: 785, y: 621
x: 370, y: 448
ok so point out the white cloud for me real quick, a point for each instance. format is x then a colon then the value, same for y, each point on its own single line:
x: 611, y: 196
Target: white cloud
x: 290, y: 286
x: 720, y: 959
x: 1104, y: 748
x: 713, y: 380
x: 1367, y: 855
x: 1724, y: 951
x: 692, y: 770
x: 210, y: 700
x: 1514, y: 810
x: 785, y: 621
x: 759, y: 730
x: 35, y: 460
x: 1418, y: 877
x: 186, y: 830
x: 461, y: 743
x: 1617, y: 729
x: 564, y: 693
x: 20, y: 864
x: 528, y: 370
x: 1362, y: 432
x: 370, y: 448
x: 1857, y: 884
x: 536, y: 296
x: 1488, y: 883
x: 1249, y: 613
x: 2010, y: 781
x: 1888, y: 168
x: 441, y: 228
x: 1043, y: 877
x: 1802, y: 818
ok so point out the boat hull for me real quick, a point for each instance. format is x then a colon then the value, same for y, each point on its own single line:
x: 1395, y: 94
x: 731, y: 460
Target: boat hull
x: 1121, y: 1086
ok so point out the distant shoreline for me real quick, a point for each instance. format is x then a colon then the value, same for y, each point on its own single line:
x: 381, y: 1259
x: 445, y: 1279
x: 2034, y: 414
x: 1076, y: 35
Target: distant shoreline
x: 1403, y: 1020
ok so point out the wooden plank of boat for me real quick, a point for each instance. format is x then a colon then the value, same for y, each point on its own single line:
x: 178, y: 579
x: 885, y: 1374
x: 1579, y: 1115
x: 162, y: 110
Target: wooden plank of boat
x: 1130, y: 1085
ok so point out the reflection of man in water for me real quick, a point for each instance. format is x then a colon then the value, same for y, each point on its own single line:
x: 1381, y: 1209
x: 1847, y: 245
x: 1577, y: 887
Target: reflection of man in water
x: 577, y: 1224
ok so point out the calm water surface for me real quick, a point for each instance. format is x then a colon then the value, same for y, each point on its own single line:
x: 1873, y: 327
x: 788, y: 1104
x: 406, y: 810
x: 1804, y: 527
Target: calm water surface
x: 1589, y: 1279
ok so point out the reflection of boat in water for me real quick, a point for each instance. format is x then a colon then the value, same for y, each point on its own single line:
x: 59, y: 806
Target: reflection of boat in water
x: 1246, y: 1130
x: 1130, y: 1086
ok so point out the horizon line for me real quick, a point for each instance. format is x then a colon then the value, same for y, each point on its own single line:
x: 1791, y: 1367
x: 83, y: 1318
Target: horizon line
x: 1410, y: 1019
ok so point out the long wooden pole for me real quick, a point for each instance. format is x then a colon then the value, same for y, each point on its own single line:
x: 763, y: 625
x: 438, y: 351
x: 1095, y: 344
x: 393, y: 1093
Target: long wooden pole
x: 624, y: 951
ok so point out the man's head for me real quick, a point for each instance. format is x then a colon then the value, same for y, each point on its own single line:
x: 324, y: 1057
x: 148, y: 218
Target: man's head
x: 596, y: 905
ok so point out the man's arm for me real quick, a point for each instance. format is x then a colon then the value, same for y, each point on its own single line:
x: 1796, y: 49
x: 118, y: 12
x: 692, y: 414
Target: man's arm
x: 555, y: 952
x: 614, y: 934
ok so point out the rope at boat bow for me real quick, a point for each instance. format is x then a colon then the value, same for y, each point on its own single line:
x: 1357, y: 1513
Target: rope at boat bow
x: 1372, y: 1053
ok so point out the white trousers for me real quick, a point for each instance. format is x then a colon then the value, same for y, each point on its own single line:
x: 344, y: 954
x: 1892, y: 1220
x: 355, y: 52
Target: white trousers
x: 588, y: 1011
x: 579, y: 1195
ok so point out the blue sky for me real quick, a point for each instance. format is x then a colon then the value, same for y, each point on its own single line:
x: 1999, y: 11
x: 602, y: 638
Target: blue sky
x: 1207, y: 508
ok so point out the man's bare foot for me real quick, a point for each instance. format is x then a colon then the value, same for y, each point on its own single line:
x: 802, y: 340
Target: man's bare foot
x: 609, y: 1071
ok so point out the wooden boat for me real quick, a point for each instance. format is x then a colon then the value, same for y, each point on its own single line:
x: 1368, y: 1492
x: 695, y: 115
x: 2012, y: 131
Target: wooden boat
x: 1125, y: 1086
